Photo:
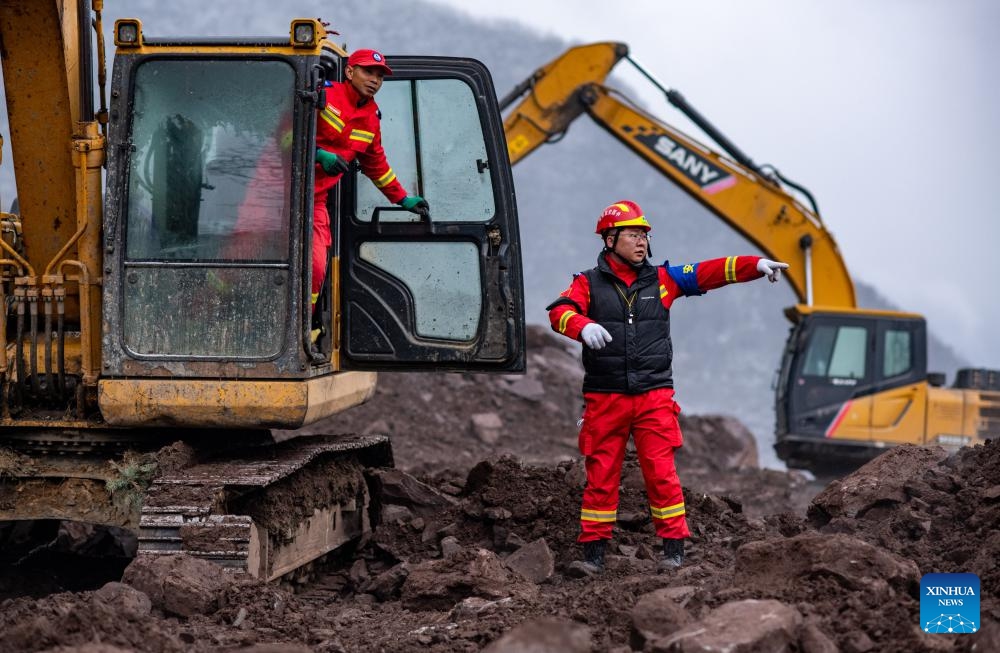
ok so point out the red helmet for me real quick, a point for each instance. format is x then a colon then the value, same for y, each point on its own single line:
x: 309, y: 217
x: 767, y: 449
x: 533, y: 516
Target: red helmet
x: 625, y: 213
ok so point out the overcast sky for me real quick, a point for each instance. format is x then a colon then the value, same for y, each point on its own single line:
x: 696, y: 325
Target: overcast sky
x: 887, y: 110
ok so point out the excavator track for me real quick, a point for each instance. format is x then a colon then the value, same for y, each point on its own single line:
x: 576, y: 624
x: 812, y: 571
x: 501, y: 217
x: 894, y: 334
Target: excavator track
x: 269, y: 511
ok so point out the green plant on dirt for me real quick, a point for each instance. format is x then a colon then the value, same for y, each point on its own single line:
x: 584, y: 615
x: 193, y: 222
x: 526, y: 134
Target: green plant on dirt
x: 133, y: 475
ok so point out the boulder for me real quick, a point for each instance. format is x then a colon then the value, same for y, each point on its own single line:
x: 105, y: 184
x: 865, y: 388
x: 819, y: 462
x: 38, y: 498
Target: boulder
x: 524, y: 386
x: 544, y: 636
x: 657, y: 615
x: 748, y: 626
x: 386, y: 585
x: 533, y: 561
x: 778, y: 564
x: 177, y: 584
x: 399, y: 488
x: 487, y: 427
x: 440, y: 584
x: 879, y: 483
x: 125, y: 600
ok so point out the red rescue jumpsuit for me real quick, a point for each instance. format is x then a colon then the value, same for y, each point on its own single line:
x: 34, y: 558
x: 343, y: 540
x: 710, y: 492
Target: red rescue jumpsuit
x: 650, y: 417
x: 349, y: 127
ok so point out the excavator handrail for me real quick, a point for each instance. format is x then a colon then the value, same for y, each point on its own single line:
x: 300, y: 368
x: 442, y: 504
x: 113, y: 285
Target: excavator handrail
x: 747, y: 198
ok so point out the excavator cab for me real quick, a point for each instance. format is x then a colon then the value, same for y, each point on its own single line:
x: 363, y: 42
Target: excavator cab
x: 834, y: 365
x: 208, y: 237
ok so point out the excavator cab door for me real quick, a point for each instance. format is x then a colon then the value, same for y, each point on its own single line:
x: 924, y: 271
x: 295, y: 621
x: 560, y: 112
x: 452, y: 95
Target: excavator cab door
x: 442, y: 289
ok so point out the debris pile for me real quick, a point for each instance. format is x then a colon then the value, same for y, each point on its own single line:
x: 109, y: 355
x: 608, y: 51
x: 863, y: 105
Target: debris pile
x: 471, y: 552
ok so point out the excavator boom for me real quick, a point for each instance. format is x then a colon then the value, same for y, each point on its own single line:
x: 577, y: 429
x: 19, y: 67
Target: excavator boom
x: 756, y: 206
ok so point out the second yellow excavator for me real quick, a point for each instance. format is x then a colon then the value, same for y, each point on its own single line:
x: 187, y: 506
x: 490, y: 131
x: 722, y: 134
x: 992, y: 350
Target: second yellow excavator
x: 852, y: 381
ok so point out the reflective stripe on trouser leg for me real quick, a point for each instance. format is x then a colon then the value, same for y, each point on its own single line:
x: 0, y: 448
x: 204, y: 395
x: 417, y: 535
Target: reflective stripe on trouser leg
x: 603, y: 436
x: 657, y: 432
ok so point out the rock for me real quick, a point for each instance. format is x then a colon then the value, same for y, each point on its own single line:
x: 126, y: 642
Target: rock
x: 475, y: 606
x: 525, y: 387
x: 497, y: 513
x: 386, y: 585
x: 450, y: 546
x: 177, y: 584
x: 379, y: 426
x: 576, y: 476
x: 125, y: 599
x: 858, y: 642
x: 813, y: 640
x: 633, y: 521
x: 777, y: 564
x: 487, y: 427
x: 399, y: 488
x: 439, y: 584
x: 533, y: 561
x: 544, y: 636
x: 358, y: 572
x: 749, y: 626
x: 656, y: 615
x: 878, y: 483
x: 398, y: 515
x: 720, y: 443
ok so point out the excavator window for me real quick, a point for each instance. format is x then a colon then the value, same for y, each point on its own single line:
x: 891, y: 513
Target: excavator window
x: 437, y: 145
x: 207, y: 216
x: 898, y: 347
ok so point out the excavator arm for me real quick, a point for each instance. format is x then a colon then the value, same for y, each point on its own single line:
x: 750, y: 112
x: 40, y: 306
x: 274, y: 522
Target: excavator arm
x: 741, y: 194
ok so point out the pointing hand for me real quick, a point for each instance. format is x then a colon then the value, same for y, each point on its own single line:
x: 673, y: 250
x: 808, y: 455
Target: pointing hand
x: 771, y: 269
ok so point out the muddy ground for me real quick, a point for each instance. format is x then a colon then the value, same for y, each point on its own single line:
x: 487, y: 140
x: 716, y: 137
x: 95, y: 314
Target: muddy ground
x: 478, y: 526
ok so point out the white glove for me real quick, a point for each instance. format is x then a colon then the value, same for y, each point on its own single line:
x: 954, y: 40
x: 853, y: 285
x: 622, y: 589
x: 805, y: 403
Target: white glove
x: 595, y: 336
x: 771, y: 269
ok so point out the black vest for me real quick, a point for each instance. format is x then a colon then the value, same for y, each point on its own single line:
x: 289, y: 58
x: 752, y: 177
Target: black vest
x: 640, y: 354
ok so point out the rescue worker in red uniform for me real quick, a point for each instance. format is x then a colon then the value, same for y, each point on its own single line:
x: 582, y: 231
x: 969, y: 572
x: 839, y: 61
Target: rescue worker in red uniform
x: 348, y: 128
x: 620, y: 310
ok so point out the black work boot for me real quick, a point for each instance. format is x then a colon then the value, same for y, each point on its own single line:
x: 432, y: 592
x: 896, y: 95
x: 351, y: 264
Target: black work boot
x: 593, y: 560
x: 673, y: 554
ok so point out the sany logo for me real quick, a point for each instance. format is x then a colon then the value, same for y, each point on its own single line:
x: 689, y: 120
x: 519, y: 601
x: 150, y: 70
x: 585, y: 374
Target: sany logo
x: 708, y: 176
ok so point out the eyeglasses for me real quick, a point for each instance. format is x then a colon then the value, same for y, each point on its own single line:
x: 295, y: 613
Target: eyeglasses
x: 634, y: 235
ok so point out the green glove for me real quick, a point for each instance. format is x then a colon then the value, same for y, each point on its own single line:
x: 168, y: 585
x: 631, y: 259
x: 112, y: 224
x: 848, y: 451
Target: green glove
x: 330, y: 162
x: 415, y: 204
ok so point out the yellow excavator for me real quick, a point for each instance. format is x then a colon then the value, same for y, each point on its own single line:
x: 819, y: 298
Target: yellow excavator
x: 154, y: 281
x: 852, y: 381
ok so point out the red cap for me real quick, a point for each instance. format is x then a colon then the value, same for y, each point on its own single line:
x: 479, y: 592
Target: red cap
x: 369, y: 58
x: 624, y: 213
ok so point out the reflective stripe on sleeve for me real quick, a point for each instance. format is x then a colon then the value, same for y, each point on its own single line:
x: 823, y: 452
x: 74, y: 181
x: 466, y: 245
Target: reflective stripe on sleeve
x: 385, y: 179
x: 564, y: 320
x: 731, y: 269
x: 362, y: 135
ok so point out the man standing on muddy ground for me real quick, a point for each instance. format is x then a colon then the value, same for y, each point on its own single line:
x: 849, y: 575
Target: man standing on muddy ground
x: 620, y: 310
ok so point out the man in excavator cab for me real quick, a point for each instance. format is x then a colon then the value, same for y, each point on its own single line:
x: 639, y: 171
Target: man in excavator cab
x: 628, y: 385
x: 348, y: 128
